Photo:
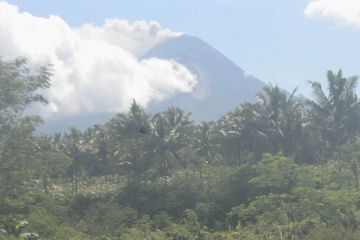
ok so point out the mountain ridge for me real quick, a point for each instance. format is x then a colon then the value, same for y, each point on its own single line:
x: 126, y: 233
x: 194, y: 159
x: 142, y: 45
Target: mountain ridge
x: 222, y: 84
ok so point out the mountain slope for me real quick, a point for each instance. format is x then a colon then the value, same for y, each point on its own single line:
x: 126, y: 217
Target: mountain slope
x: 222, y: 84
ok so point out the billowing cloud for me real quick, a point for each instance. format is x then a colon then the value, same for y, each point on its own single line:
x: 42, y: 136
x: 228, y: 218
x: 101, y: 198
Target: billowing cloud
x: 96, y: 68
x: 347, y: 11
x: 137, y: 37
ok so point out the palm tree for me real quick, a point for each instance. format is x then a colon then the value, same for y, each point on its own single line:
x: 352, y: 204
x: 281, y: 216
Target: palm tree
x: 272, y: 124
x: 100, y: 147
x: 205, y: 147
x: 170, y: 133
x: 128, y: 137
x: 205, y: 144
x: 74, y: 147
x: 233, y: 137
x: 53, y: 161
x: 283, y: 116
x: 336, y: 114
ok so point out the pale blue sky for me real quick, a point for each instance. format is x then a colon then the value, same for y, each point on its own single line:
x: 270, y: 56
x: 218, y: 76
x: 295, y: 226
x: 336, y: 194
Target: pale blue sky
x: 272, y: 40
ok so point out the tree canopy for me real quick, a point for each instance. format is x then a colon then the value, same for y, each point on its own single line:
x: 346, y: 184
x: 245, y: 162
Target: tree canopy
x: 282, y: 167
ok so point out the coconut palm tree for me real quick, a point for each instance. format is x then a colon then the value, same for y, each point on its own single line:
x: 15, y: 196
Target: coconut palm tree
x: 74, y: 147
x: 272, y: 124
x: 170, y: 133
x: 336, y: 113
x: 206, y: 148
x: 205, y: 144
x: 128, y: 137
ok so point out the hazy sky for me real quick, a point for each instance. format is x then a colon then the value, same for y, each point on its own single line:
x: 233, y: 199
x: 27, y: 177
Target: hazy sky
x: 286, y: 42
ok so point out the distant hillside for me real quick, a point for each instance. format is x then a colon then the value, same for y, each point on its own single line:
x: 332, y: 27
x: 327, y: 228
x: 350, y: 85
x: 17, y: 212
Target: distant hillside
x: 222, y: 84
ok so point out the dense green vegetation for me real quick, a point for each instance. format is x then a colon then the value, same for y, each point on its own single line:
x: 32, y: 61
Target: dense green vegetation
x: 281, y: 168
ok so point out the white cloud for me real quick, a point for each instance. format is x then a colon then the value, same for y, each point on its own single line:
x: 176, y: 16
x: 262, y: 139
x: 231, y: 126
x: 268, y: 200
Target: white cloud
x: 96, y: 68
x: 138, y: 37
x: 347, y: 11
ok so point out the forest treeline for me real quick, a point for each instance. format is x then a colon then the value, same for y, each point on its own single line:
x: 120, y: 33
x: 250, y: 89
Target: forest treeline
x: 281, y: 168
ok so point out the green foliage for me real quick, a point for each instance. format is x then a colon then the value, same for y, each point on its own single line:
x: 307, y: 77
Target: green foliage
x: 280, y: 168
x: 19, y: 87
x: 42, y: 222
x: 327, y: 233
x: 67, y: 233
